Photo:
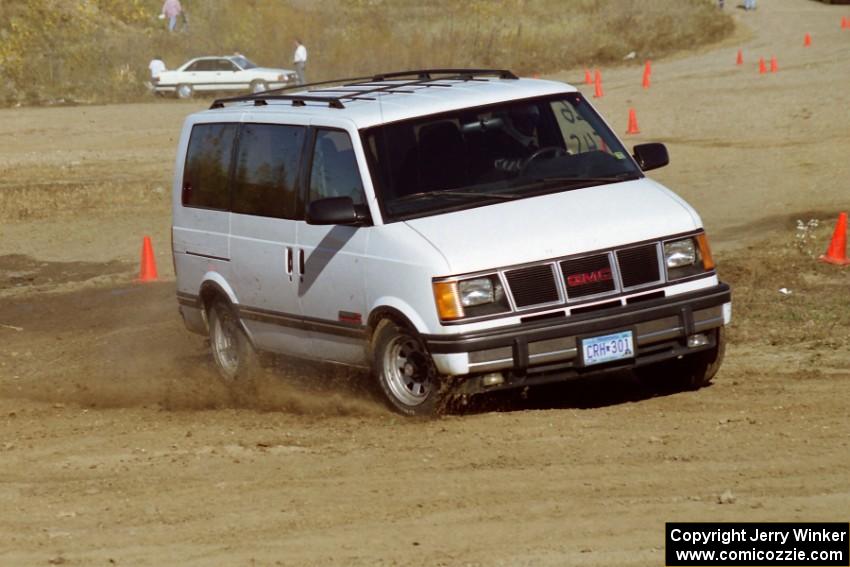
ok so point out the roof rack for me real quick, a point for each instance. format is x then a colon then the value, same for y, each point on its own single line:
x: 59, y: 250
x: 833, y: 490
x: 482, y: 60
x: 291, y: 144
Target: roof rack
x: 357, y: 88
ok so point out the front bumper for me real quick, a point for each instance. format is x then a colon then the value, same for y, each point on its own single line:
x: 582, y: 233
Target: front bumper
x: 548, y: 350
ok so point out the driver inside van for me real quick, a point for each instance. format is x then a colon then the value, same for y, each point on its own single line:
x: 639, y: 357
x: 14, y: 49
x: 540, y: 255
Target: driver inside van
x: 519, y: 137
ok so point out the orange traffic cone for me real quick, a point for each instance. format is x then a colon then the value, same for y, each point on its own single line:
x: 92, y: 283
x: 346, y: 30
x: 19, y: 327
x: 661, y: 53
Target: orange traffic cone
x: 633, y: 125
x: 147, y: 273
x: 774, y: 66
x: 807, y: 40
x: 740, y: 59
x: 598, y: 82
x: 844, y: 23
x: 762, y: 66
x: 837, y: 251
x: 588, y: 77
x: 647, y: 73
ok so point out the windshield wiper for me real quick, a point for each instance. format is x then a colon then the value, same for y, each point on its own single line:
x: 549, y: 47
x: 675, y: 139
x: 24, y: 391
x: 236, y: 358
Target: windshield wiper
x: 604, y: 179
x: 453, y: 193
x: 556, y: 182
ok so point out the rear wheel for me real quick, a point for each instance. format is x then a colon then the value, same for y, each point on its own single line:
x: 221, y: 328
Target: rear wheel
x: 691, y: 372
x: 232, y: 351
x: 405, y: 371
x: 184, y: 91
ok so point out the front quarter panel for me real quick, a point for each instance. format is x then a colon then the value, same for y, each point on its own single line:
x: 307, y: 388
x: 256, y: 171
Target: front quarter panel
x: 400, y: 265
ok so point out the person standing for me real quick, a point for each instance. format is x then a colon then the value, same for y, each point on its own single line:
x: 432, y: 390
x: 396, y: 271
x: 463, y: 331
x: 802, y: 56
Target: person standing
x: 156, y: 66
x: 299, y: 59
x: 172, y: 10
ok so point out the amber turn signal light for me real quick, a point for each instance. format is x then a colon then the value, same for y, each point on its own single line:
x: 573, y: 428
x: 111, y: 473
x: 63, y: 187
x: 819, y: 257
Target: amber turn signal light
x: 705, y: 252
x: 448, y: 301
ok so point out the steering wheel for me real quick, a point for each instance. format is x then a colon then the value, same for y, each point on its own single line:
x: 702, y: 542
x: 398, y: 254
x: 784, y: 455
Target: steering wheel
x: 556, y: 151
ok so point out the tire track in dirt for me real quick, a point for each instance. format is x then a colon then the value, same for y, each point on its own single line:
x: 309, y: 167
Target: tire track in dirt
x: 119, y: 446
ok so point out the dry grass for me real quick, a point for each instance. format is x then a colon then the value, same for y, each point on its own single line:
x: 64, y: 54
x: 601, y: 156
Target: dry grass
x: 55, y: 200
x: 98, y: 50
x: 813, y: 311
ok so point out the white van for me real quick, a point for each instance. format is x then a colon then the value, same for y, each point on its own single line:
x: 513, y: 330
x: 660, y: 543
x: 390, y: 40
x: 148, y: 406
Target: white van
x: 456, y: 231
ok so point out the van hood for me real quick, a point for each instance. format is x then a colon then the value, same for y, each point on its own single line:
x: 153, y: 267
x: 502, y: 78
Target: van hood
x: 560, y: 224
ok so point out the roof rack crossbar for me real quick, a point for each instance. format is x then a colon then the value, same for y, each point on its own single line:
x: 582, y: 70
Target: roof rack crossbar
x: 428, y: 74
x: 300, y: 100
x: 422, y: 77
x: 332, y: 102
x: 347, y: 93
x: 377, y: 87
x: 219, y: 103
x: 422, y: 83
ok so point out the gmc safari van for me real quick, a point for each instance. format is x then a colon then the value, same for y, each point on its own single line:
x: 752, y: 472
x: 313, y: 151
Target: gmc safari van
x: 455, y: 231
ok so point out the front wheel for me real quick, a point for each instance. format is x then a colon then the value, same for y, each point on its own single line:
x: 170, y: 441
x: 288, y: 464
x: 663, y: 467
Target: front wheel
x: 232, y: 351
x: 405, y: 371
x: 259, y: 87
x: 691, y: 372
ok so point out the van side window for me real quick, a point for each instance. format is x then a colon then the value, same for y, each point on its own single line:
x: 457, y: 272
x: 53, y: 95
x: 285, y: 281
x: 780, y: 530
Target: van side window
x: 334, y: 172
x: 267, y: 165
x: 208, y: 166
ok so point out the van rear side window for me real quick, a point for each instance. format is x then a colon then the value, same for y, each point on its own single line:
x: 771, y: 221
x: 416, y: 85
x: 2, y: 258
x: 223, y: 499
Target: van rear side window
x: 208, y: 166
x: 267, y: 165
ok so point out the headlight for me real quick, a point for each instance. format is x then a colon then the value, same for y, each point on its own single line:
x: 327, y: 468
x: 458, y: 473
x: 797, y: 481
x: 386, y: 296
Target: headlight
x: 476, y: 292
x: 474, y: 297
x: 680, y: 253
x: 687, y: 257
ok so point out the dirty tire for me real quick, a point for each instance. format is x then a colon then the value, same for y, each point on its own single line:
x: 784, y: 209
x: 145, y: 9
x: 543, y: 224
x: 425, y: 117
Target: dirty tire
x: 232, y: 351
x: 405, y: 371
x: 692, y: 372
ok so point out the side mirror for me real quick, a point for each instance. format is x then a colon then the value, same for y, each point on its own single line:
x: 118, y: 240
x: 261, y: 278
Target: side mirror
x: 651, y: 156
x: 336, y: 210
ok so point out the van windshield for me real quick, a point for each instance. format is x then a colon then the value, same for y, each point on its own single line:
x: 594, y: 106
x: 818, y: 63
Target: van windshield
x: 479, y: 156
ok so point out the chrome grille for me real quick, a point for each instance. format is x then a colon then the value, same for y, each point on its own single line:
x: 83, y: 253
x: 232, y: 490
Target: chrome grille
x: 607, y: 273
x: 533, y: 286
x: 639, y: 265
x: 591, y: 275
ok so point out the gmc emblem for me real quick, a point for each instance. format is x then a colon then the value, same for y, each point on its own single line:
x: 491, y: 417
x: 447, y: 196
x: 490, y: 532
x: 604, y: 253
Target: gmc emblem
x: 576, y: 280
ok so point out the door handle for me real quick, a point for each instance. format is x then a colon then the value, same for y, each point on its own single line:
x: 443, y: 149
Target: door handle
x: 301, y: 262
x: 288, y: 255
x: 186, y: 193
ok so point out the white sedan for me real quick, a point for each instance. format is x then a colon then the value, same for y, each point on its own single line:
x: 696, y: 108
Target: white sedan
x: 227, y: 73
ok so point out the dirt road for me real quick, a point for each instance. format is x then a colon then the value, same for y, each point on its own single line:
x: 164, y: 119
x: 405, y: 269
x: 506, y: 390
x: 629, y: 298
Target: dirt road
x: 117, y: 445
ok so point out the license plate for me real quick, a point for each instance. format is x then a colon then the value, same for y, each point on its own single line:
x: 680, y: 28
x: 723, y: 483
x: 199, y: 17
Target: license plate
x: 606, y: 348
